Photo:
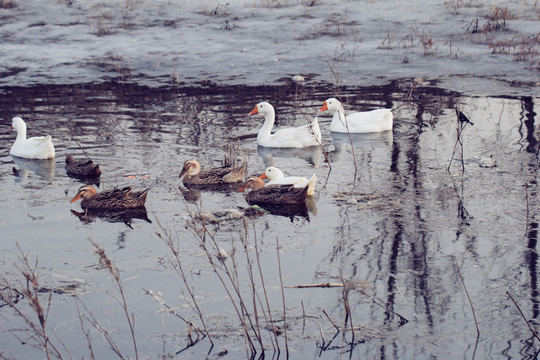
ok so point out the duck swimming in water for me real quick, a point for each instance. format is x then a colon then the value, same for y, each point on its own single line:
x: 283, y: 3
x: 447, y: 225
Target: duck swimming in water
x: 226, y: 174
x: 273, y: 194
x: 123, y: 198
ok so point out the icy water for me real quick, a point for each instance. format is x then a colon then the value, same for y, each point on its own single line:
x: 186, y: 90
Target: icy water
x: 431, y: 237
x: 398, y: 231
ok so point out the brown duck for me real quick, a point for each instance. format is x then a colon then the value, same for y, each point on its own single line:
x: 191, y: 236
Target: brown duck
x: 226, y: 174
x: 273, y: 194
x: 81, y: 168
x: 124, y: 198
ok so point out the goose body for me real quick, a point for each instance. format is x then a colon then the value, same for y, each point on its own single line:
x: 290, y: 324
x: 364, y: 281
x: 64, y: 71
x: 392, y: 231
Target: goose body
x: 81, y: 168
x: 227, y: 174
x: 295, y: 137
x: 123, y: 198
x: 39, y: 147
x: 358, y: 122
x: 273, y: 194
x: 277, y: 177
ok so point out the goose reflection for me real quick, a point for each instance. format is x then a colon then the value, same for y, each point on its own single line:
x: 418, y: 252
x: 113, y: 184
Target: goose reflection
x: 44, y: 168
x: 311, y: 155
x: 370, y: 140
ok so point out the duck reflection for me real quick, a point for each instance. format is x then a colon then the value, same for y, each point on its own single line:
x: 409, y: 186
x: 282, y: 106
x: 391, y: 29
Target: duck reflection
x: 44, y: 168
x: 312, y: 154
x: 83, y: 170
x: 369, y: 140
x: 192, y: 193
x: 125, y: 216
x: 291, y: 211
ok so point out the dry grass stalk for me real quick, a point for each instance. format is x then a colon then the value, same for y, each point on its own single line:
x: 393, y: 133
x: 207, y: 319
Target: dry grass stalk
x: 176, y: 262
x: 107, y: 264
x: 523, y: 316
x: 36, y: 331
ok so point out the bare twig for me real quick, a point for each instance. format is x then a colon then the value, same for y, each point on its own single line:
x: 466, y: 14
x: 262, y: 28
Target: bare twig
x: 468, y: 297
x: 523, y: 316
x: 283, y: 299
x: 106, y: 262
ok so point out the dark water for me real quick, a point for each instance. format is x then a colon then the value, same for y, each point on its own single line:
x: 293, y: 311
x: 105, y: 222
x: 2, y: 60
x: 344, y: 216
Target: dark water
x: 387, y: 217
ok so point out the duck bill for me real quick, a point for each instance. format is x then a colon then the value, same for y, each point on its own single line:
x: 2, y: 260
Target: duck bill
x: 182, y: 173
x: 75, y: 198
x: 263, y: 176
x: 324, y: 107
x: 242, y: 189
x: 254, y: 111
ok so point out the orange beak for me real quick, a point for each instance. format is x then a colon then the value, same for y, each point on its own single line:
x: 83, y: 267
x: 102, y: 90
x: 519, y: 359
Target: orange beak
x: 254, y: 111
x: 242, y: 188
x: 75, y: 198
x: 324, y: 107
x: 263, y: 176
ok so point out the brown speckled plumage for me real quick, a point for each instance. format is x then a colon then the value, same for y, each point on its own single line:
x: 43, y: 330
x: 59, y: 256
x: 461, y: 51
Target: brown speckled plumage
x: 110, y: 199
x: 227, y: 174
x: 273, y: 194
x: 81, y: 168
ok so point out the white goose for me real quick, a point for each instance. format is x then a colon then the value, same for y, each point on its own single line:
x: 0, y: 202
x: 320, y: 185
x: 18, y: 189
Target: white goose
x: 277, y: 177
x: 296, y: 137
x: 358, y: 122
x: 39, y: 147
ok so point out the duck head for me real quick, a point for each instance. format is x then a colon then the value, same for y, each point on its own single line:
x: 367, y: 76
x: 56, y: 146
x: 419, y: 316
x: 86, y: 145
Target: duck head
x: 86, y: 192
x: 18, y: 124
x: 272, y: 173
x: 331, y: 104
x: 262, y: 108
x: 191, y: 167
x: 253, y: 183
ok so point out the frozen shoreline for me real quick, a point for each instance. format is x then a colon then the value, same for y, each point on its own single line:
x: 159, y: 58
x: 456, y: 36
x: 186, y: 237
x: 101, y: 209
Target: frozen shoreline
x: 256, y: 42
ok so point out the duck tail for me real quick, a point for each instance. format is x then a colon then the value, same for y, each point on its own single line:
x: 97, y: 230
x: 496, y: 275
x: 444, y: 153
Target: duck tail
x: 97, y: 170
x: 311, y: 184
x: 141, y: 199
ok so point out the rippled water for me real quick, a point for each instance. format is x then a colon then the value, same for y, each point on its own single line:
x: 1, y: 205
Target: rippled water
x: 387, y: 216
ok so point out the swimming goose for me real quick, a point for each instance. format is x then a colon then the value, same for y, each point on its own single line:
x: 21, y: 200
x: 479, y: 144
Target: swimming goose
x: 358, y: 122
x: 39, y: 147
x: 296, y: 137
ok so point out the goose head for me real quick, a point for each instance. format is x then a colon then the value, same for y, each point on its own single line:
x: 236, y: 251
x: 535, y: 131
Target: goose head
x: 262, y: 108
x: 253, y: 183
x: 191, y: 167
x: 272, y: 173
x: 85, y: 192
x: 18, y: 124
x: 331, y: 104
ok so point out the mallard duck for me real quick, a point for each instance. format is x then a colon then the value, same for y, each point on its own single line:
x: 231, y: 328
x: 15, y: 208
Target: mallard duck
x: 226, y: 174
x: 81, y: 168
x: 39, y: 147
x: 277, y: 177
x: 357, y: 122
x: 296, y: 137
x: 273, y: 194
x: 110, y: 199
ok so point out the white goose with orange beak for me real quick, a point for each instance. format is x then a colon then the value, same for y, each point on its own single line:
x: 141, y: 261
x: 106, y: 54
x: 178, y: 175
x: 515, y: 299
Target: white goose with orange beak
x: 296, y: 137
x: 358, y: 122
